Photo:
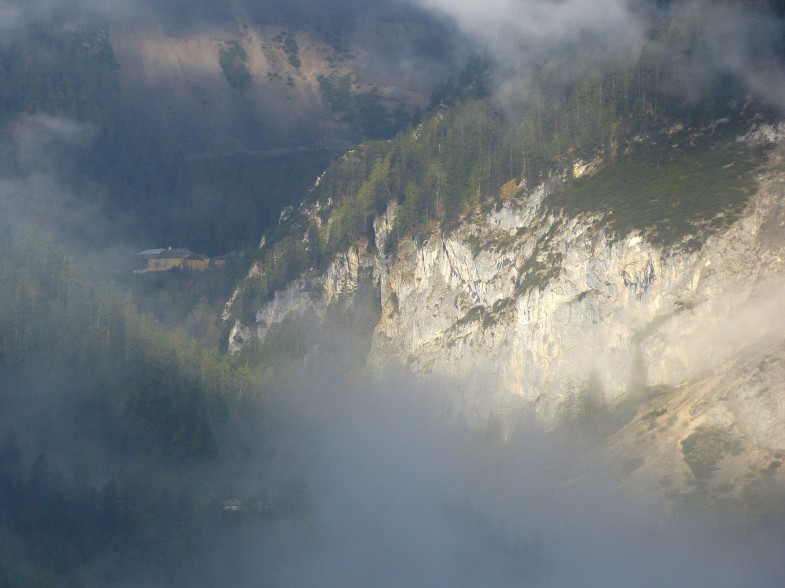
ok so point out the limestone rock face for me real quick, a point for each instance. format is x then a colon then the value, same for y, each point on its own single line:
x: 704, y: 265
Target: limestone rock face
x: 552, y: 304
x: 527, y: 308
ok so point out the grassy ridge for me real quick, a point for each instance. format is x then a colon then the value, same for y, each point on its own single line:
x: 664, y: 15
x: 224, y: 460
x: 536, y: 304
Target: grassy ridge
x: 676, y: 196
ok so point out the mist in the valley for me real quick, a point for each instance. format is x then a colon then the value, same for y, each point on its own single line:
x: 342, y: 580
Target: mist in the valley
x: 43, y: 189
x: 391, y: 492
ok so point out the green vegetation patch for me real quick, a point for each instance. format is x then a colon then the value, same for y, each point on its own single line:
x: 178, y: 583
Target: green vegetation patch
x: 185, y: 299
x: 114, y: 438
x: 705, y: 448
x: 488, y: 316
x: 395, y: 307
x: 290, y: 47
x: 372, y: 116
x: 292, y: 51
x: 544, y: 264
x: 365, y: 110
x: 675, y: 196
x: 474, y: 314
x: 336, y: 91
x: 631, y: 464
x: 279, y: 265
x: 651, y: 417
x: 773, y: 467
x: 654, y: 414
x: 232, y: 58
x: 494, y: 240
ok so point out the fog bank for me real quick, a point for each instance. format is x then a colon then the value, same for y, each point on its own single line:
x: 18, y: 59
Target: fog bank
x: 395, y: 493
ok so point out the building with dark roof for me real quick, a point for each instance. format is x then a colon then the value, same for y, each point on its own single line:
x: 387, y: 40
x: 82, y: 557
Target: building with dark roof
x: 161, y: 260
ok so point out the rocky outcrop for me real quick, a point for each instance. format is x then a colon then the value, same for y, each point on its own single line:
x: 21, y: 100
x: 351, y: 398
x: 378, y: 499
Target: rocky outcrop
x: 339, y: 282
x: 554, y: 303
x: 525, y: 307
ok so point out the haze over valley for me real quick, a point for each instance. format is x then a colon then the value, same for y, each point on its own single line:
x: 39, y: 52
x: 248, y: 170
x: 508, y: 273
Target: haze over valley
x: 429, y: 293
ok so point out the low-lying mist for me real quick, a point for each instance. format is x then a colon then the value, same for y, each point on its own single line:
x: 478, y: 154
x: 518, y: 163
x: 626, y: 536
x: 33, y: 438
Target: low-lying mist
x: 391, y: 491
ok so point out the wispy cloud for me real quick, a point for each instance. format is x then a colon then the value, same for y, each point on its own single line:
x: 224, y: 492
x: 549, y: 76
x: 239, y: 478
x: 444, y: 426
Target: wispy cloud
x: 741, y: 40
x: 521, y: 32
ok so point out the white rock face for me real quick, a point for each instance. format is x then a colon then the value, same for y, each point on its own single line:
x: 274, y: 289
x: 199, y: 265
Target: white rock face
x: 525, y: 308
x: 606, y: 308
x: 765, y: 134
x: 340, y: 280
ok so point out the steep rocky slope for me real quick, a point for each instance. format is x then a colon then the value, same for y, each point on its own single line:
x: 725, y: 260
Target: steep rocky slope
x: 549, y: 301
x: 526, y: 307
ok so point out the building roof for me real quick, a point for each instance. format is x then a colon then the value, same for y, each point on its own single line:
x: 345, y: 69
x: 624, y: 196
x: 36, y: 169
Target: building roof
x: 169, y: 254
x: 150, y: 253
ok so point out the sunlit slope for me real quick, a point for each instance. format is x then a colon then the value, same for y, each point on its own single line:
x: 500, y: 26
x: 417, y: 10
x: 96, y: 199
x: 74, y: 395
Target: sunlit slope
x: 247, y: 86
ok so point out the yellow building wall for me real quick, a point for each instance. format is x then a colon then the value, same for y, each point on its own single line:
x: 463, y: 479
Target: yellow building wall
x: 197, y: 264
x: 161, y: 265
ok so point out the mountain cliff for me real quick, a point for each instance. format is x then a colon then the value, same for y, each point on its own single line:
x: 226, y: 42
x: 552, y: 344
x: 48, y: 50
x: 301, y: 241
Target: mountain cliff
x: 528, y: 306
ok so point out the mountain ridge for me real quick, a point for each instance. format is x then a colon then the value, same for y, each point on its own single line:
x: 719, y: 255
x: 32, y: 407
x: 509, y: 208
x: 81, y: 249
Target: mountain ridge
x: 529, y: 308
